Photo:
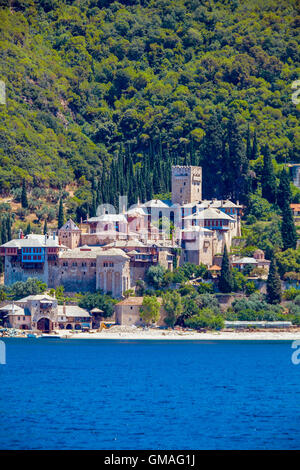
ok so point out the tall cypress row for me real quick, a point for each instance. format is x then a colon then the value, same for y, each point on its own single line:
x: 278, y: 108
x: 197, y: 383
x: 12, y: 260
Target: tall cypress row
x: 24, y: 200
x: 288, y: 229
x: 8, y: 227
x: 4, y: 236
x: 238, y: 165
x: 254, y: 153
x: 61, y: 217
x: 284, y: 193
x: 268, y: 182
x: 248, y: 144
x: 212, y: 157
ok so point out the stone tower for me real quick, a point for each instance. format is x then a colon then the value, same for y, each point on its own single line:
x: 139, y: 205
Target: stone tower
x: 69, y: 235
x: 186, y: 184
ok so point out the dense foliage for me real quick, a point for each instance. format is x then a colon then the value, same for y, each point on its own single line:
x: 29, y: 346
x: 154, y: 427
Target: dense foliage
x: 94, y: 85
x: 100, y: 301
x: 20, y: 289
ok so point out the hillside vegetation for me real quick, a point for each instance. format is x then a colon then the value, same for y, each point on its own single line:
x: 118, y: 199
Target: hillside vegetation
x: 109, y: 94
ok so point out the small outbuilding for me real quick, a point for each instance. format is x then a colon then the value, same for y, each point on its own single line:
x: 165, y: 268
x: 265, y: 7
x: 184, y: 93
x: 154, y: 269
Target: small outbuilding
x: 128, y: 312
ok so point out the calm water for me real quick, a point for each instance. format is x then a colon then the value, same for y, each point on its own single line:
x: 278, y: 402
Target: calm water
x: 86, y: 394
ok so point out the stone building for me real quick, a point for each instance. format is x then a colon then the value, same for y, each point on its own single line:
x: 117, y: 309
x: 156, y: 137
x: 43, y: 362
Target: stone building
x: 113, y: 272
x: 186, y: 184
x: 31, y: 256
x: 256, y: 261
x: 41, y: 312
x: 87, y: 269
x: 69, y: 235
x: 198, y: 245
x: 112, y: 251
x: 128, y: 312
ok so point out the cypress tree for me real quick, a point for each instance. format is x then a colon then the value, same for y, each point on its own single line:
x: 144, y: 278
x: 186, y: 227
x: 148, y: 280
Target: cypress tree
x: 238, y: 165
x: 273, y: 284
x: 94, y: 204
x: 28, y: 229
x: 213, y: 167
x: 284, y: 193
x: 24, y: 200
x: 225, y: 281
x: 4, y: 237
x: 288, y: 229
x: 248, y: 144
x: 268, y: 183
x: 8, y: 227
x: 61, y: 217
x: 45, y: 230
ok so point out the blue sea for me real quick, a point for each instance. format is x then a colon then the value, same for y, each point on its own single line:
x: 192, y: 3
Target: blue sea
x: 158, y: 395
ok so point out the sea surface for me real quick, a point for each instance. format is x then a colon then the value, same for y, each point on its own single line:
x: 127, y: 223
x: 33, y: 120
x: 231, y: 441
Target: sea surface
x: 158, y: 395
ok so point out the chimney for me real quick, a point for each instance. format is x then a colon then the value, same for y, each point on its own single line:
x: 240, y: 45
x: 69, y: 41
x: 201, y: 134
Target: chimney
x: 45, y: 239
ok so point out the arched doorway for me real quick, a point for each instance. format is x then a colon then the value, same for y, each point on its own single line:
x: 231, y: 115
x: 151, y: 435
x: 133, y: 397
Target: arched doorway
x: 43, y: 324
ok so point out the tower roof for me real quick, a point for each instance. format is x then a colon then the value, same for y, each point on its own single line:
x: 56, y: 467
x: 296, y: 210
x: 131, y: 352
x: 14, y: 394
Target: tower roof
x: 70, y: 225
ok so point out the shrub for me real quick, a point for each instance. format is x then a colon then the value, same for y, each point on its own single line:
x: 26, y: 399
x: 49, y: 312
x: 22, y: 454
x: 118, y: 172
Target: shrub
x: 291, y: 294
x: 155, y: 275
x: 250, y: 288
x: 205, y: 318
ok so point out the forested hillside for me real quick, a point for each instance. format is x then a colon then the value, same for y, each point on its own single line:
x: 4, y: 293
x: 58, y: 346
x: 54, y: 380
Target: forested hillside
x: 132, y: 86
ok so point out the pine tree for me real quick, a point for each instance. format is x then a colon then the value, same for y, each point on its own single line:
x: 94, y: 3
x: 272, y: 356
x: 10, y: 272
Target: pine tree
x: 61, y: 217
x: 273, y: 284
x: 45, y: 230
x: 24, y: 200
x: 225, y: 280
x: 288, y: 229
x: 284, y: 193
x: 268, y: 183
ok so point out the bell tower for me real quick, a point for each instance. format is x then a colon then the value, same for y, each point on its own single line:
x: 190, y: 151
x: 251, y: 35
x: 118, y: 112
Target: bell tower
x: 186, y: 184
x: 69, y: 235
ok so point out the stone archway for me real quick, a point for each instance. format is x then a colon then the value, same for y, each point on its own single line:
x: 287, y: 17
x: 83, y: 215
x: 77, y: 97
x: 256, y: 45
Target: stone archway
x: 43, y: 324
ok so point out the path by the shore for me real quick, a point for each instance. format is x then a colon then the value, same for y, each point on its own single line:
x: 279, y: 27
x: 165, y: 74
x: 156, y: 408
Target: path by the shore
x: 123, y: 333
